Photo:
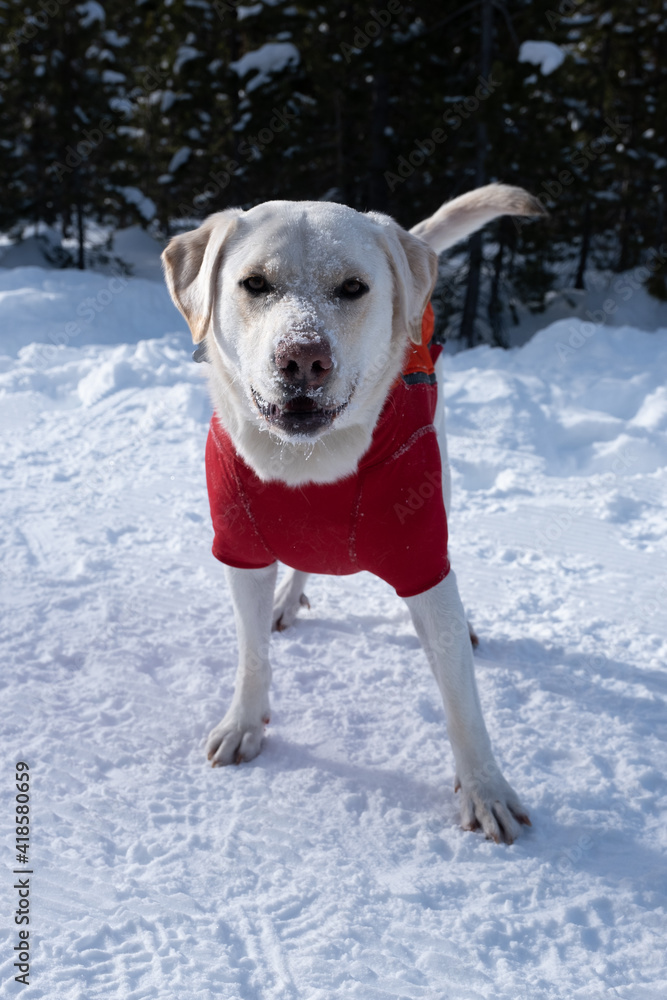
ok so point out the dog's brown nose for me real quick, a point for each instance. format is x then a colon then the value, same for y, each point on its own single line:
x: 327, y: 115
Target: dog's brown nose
x: 306, y: 363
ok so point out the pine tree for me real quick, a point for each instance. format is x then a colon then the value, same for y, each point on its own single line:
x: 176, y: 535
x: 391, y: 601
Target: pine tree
x: 62, y: 137
x: 161, y: 113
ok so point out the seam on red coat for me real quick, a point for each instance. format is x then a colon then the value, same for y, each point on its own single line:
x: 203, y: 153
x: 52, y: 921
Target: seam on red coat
x: 426, y: 429
x: 248, y: 509
x: 354, y: 519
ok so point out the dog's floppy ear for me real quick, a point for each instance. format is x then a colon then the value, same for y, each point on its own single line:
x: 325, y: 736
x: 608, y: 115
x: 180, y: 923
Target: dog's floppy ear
x: 191, y: 263
x: 414, y: 268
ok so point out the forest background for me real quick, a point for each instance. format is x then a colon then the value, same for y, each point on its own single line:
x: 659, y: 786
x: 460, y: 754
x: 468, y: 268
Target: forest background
x: 158, y: 113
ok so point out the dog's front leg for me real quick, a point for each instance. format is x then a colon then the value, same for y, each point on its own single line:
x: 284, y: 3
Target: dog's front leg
x: 238, y: 737
x: 488, y: 801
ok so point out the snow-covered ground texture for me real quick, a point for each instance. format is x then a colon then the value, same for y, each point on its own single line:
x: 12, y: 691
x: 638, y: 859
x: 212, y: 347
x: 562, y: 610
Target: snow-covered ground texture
x: 333, y: 865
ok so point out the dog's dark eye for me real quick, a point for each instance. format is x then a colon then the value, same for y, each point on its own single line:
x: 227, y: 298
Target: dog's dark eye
x: 256, y: 284
x: 352, y: 288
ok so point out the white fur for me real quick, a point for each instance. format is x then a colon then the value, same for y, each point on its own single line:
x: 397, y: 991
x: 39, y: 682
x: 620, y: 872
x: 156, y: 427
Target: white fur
x: 306, y: 249
x: 457, y: 219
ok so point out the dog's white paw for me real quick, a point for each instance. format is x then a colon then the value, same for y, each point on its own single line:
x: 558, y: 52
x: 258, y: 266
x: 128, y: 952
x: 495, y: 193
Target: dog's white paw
x: 490, y: 804
x: 237, y: 738
x: 287, y: 601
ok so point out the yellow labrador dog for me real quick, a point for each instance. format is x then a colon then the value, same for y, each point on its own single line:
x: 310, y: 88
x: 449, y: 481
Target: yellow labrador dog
x: 307, y: 312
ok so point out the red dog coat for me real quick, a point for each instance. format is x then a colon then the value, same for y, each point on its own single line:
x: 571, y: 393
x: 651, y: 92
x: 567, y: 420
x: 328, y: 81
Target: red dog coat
x: 388, y: 517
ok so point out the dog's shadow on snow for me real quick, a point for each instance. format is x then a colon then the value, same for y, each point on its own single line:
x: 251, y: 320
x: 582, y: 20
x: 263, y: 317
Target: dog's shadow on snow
x: 610, y: 855
x: 592, y: 681
x: 598, y: 683
x: 400, y: 788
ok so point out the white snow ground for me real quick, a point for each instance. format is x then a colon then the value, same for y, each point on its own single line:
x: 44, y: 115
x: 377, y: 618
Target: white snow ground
x: 332, y: 865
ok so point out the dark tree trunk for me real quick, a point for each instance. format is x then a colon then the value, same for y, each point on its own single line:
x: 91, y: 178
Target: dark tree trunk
x: 495, y: 306
x: 65, y: 216
x: 625, y: 256
x: 341, y: 172
x: 378, y: 192
x: 467, y: 331
x: 81, y: 260
x: 585, y: 247
x: 234, y: 195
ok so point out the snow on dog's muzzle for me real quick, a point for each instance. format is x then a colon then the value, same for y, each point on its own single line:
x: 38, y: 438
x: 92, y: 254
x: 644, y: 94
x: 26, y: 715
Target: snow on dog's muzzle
x: 303, y: 364
x: 298, y: 415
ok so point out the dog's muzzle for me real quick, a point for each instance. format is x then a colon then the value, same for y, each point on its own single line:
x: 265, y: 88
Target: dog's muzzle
x: 297, y: 416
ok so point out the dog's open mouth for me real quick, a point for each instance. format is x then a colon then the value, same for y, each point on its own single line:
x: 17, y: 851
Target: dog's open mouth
x: 299, y: 415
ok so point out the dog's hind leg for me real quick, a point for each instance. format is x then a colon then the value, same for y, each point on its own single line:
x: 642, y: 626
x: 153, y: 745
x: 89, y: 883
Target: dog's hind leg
x: 238, y: 737
x: 441, y: 434
x: 289, y: 597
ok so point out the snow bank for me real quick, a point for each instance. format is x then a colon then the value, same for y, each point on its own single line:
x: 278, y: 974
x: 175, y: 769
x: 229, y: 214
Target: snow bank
x: 135, y: 247
x: 72, y: 308
x: 29, y: 252
x: 333, y: 864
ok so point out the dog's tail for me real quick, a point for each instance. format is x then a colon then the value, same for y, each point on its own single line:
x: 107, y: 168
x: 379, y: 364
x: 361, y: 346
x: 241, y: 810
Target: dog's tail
x: 465, y: 215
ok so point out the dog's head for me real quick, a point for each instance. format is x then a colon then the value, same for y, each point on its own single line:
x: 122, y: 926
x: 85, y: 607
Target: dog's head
x: 307, y: 308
